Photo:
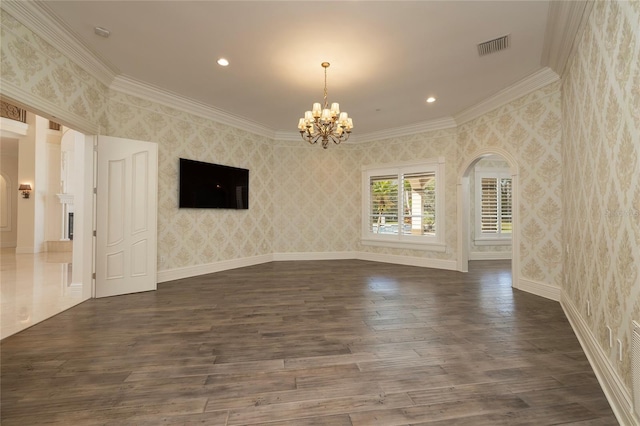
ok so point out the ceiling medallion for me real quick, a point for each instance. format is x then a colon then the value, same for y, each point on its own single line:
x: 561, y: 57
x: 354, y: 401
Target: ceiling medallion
x: 325, y: 123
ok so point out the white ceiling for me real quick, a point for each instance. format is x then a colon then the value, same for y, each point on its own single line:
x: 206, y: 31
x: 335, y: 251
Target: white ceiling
x: 386, y: 57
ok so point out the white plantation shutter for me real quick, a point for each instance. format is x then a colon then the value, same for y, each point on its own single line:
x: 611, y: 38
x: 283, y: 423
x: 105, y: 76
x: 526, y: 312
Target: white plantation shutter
x: 489, y: 206
x: 420, y: 203
x: 505, y: 206
x: 494, y: 205
x: 403, y: 205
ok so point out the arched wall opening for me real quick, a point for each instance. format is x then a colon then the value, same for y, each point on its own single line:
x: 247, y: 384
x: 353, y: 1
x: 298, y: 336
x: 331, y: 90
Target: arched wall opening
x: 464, y: 228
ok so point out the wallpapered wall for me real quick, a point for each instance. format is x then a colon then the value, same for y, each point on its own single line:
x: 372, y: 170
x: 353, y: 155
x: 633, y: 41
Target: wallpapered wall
x: 318, y: 198
x: 601, y: 122
x: 188, y: 237
x: 530, y: 129
x: 33, y: 64
x: 427, y: 145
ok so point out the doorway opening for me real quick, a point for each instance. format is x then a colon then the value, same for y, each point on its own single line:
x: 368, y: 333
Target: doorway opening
x: 488, y: 210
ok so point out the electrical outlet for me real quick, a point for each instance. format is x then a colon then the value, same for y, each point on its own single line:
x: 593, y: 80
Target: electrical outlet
x: 610, y: 336
x: 162, y: 259
x: 567, y: 248
x: 588, y: 308
x: 619, y: 350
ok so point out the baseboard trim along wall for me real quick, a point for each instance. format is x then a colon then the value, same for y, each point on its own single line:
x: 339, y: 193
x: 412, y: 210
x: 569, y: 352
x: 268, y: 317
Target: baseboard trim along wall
x: 490, y: 255
x: 547, y: 291
x: 611, y: 384
x: 422, y: 262
x: 210, y: 268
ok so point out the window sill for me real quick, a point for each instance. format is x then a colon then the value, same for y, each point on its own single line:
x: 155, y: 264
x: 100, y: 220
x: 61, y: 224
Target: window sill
x: 411, y: 245
x: 492, y: 242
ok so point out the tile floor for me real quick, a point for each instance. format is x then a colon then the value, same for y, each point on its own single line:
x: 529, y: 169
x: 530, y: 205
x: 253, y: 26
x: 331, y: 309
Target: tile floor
x: 34, y: 287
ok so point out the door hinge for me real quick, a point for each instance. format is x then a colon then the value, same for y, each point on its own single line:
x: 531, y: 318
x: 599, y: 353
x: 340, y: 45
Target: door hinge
x: 95, y: 190
x: 93, y: 275
x: 95, y: 233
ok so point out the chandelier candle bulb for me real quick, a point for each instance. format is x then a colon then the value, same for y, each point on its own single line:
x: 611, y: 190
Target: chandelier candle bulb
x: 323, y: 123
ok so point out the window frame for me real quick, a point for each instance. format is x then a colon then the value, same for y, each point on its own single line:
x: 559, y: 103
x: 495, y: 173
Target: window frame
x: 498, y: 238
x: 415, y: 242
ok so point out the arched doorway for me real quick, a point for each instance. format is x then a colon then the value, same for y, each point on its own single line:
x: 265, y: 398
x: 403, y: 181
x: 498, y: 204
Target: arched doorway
x: 464, y: 191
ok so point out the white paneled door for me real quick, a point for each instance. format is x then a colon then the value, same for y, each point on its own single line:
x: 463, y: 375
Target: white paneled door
x: 126, y: 217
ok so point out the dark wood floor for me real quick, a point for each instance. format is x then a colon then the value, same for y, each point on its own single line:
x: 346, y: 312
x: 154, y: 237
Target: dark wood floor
x: 307, y: 343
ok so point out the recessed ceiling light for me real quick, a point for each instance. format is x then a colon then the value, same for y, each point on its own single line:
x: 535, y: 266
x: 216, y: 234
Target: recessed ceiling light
x: 223, y: 62
x: 431, y: 99
x: 102, y: 32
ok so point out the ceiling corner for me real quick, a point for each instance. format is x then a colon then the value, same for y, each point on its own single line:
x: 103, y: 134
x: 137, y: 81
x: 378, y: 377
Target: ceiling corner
x: 36, y: 16
x: 565, y: 22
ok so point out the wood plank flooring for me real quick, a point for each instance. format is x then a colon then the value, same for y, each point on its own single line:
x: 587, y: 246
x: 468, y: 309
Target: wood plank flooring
x: 307, y: 343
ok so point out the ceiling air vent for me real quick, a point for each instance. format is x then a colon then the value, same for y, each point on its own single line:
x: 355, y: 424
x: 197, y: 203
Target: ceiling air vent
x: 493, y: 46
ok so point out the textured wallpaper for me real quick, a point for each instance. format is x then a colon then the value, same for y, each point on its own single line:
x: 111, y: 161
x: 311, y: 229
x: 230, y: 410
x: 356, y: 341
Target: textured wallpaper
x: 412, y: 148
x: 31, y: 63
x: 188, y: 237
x: 601, y: 122
x: 317, y: 193
x: 530, y: 129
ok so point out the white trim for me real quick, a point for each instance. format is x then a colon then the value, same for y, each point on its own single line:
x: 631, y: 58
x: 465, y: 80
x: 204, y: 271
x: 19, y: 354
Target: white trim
x: 564, y: 22
x: 410, y: 244
x: 490, y: 255
x: 327, y: 255
x: 463, y: 209
x: 422, y: 262
x: 209, y: 268
x: 545, y: 290
x: 161, y: 96
x: 412, y: 129
x: 39, y: 18
x: 610, y: 382
x: 535, y: 81
x: 12, y: 129
x: 47, y: 108
x: 486, y: 241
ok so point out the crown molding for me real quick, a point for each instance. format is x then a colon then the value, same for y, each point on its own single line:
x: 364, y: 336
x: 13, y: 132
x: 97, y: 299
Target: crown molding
x: 48, y: 109
x: 287, y: 135
x: 565, y: 22
x: 130, y: 86
x: 533, y: 82
x: 412, y: 129
x: 37, y: 17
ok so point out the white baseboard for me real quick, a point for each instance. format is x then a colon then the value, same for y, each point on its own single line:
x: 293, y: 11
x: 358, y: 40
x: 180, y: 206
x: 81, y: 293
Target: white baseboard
x: 547, y: 291
x: 329, y: 255
x: 490, y: 255
x: 611, y: 384
x: 209, y: 268
x: 423, y: 262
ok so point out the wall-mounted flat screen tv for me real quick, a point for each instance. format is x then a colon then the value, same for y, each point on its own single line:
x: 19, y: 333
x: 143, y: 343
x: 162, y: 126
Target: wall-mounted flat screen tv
x: 213, y: 186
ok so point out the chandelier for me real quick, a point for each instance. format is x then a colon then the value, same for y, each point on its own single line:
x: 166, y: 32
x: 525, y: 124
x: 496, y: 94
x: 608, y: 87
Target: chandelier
x: 325, y: 123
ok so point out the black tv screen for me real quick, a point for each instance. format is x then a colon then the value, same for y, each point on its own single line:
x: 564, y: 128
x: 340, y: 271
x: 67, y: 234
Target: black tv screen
x: 213, y: 186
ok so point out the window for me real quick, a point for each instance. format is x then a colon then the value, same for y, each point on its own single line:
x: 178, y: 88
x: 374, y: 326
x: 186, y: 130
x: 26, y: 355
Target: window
x: 493, y: 207
x: 403, y: 205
